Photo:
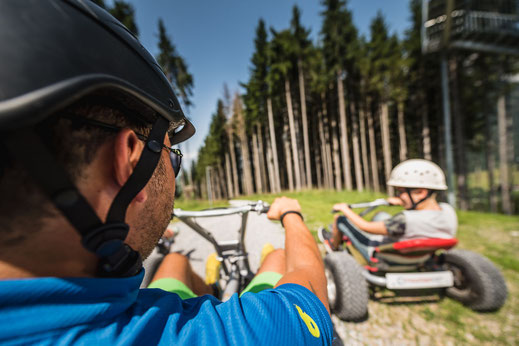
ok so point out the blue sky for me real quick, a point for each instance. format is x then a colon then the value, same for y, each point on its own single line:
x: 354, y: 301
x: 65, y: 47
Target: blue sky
x: 215, y: 37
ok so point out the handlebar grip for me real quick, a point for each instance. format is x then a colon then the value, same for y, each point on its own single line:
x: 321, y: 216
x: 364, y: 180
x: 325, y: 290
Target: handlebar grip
x: 334, y: 211
x: 265, y: 209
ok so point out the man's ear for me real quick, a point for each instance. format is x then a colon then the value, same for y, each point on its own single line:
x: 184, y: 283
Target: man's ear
x: 127, y: 151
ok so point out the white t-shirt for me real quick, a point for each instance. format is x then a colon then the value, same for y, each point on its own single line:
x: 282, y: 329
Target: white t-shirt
x: 414, y: 224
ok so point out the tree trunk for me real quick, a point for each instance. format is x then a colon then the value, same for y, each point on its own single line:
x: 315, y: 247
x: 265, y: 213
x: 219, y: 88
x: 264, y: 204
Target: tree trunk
x: 234, y: 167
x: 386, y: 144
x: 324, y: 157
x: 327, y: 141
x: 336, y: 158
x: 401, y: 131
x: 221, y: 181
x: 228, y: 175
x: 491, y: 163
x: 424, y: 110
x: 364, y: 147
x: 215, y: 185
x: 203, y: 189
x: 329, y: 160
x: 356, y: 147
x: 288, y: 158
x: 247, y: 173
x: 345, y: 147
x: 459, y: 138
x: 317, y: 153
x: 503, y: 155
x: 270, y: 165
x: 277, y: 182
x: 255, y: 153
x: 262, y: 165
x: 300, y: 151
x: 426, y: 133
x: 304, y: 118
x: 244, y: 146
x: 373, y: 151
x: 293, y: 139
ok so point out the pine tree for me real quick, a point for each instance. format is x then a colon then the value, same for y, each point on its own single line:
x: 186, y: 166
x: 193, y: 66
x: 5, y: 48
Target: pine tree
x: 256, y: 100
x: 233, y: 164
x: 283, y: 53
x: 337, y: 34
x: 125, y: 13
x: 174, y: 67
x: 379, y: 49
x: 212, y: 153
x: 363, y: 66
x: 319, y: 81
x: 302, y: 49
x: 398, y: 67
x: 422, y: 80
x: 239, y: 126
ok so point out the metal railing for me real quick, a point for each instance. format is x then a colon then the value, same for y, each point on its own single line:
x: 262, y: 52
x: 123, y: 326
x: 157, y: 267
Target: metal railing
x: 469, y: 28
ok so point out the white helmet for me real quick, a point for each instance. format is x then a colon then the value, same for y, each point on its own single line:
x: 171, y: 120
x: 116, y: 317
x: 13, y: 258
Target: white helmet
x: 418, y: 173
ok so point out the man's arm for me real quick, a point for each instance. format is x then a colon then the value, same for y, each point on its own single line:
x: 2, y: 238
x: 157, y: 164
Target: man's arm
x: 374, y: 227
x: 304, y: 265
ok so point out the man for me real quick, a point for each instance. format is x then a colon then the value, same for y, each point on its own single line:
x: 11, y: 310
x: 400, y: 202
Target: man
x: 87, y: 183
x: 416, y: 182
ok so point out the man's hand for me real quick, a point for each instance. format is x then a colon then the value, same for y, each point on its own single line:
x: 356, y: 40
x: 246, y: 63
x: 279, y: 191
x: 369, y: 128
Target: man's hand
x: 395, y: 201
x: 342, y: 207
x: 281, y: 205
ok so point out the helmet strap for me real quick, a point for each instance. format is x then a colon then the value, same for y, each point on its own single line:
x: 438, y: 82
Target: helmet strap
x: 415, y: 204
x: 106, y: 240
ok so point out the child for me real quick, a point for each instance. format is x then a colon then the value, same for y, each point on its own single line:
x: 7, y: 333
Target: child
x: 416, y: 182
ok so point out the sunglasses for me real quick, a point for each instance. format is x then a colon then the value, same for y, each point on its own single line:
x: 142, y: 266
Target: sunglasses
x: 175, y: 155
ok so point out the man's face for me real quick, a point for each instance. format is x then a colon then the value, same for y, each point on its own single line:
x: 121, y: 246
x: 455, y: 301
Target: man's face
x: 149, y: 225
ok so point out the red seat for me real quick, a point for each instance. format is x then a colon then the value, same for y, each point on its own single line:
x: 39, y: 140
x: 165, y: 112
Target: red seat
x: 407, y: 255
x: 414, y: 246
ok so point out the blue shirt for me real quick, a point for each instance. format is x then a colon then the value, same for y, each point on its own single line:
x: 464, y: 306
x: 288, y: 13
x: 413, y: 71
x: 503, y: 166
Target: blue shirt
x: 56, y: 311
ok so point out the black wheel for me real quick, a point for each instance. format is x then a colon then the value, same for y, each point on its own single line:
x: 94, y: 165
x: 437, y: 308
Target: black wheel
x: 347, y: 288
x: 478, y: 284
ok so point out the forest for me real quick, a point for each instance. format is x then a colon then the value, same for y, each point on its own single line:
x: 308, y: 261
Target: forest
x: 339, y: 113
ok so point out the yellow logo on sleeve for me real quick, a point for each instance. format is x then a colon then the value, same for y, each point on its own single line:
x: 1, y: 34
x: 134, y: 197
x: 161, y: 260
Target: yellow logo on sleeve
x: 310, y: 324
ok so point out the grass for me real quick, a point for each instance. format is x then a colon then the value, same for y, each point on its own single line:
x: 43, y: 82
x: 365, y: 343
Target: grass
x: 478, y: 188
x: 198, y: 204
x: 492, y: 235
x: 480, y: 179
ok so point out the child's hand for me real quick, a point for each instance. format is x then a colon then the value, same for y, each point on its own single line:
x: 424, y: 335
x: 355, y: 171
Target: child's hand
x: 342, y: 207
x: 395, y: 201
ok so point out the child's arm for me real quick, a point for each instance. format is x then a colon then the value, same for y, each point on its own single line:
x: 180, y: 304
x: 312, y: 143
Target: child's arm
x: 374, y: 227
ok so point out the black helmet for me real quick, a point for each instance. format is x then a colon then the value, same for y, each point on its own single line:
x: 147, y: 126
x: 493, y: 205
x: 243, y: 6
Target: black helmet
x: 54, y: 53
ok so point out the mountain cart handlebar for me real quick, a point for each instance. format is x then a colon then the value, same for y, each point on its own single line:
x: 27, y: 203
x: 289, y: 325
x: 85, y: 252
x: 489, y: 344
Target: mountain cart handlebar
x: 231, y: 253
x: 260, y: 207
x: 368, y: 205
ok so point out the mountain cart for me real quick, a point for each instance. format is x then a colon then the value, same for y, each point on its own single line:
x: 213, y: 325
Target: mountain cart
x: 410, y: 266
